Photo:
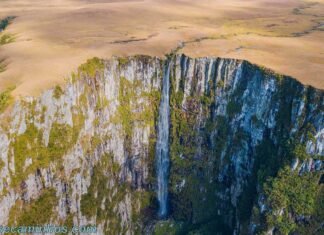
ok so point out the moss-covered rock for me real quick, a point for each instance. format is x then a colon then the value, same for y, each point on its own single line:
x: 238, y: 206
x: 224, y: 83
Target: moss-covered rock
x: 37, y: 212
x: 30, y: 146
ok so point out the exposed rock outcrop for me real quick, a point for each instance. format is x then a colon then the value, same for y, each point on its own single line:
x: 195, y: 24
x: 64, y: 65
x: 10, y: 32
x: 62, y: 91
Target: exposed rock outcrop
x: 233, y: 126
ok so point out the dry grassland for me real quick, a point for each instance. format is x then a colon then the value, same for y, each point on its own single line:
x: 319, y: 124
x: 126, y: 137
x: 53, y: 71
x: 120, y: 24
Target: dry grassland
x: 53, y: 37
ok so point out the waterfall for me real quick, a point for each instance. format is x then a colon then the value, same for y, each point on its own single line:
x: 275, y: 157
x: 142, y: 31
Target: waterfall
x: 162, y: 145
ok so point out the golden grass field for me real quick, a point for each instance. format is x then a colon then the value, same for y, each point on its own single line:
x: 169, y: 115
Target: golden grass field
x: 53, y: 37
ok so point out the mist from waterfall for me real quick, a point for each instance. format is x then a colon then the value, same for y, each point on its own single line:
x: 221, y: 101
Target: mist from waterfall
x: 162, y: 145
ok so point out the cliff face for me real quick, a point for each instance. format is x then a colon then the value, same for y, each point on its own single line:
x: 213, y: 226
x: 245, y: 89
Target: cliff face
x: 234, y: 126
x: 88, y: 150
x: 91, y: 144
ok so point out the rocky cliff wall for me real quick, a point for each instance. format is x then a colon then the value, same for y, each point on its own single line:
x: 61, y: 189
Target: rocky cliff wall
x: 90, y: 144
x: 234, y: 127
x: 85, y: 153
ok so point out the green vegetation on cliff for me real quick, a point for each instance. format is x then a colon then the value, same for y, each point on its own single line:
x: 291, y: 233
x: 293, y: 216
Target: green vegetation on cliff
x: 122, y: 61
x: 101, y: 200
x: 290, y: 194
x: 30, y: 152
x: 57, y: 92
x: 106, y: 193
x: 135, y: 106
x: 91, y: 67
x: 37, y: 212
x: 215, y: 151
x: 92, y: 200
x: 167, y: 228
x: 204, y: 145
x: 315, y: 225
x: 5, y: 98
x: 127, y: 92
x: 195, y: 153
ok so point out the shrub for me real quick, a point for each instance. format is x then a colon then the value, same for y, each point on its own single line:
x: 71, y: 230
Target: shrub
x: 300, y: 152
x: 6, y: 38
x: 122, y: 61
x: 91, y: 67
x: 57, y: 92
x: 5, y: 99
x: 5, y: 22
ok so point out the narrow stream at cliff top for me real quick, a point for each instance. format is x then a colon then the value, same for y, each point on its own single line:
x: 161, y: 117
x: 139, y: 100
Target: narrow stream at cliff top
x: 162, y: 145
